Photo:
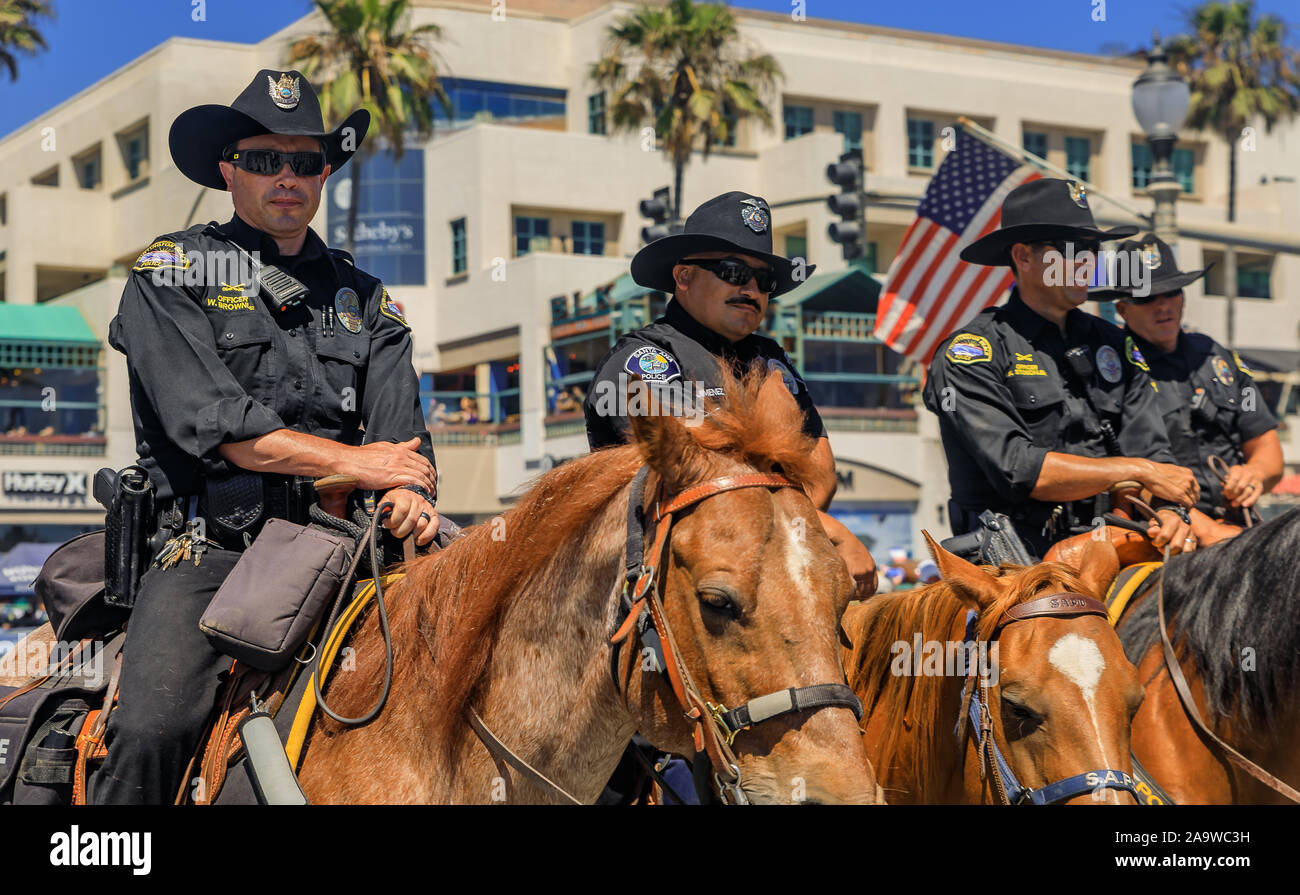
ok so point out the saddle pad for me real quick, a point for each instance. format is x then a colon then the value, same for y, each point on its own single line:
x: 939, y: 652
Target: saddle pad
x: 1128, y: 583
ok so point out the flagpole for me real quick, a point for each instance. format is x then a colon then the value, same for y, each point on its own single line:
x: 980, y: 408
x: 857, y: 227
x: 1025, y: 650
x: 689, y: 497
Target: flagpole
x: 1028, y: 157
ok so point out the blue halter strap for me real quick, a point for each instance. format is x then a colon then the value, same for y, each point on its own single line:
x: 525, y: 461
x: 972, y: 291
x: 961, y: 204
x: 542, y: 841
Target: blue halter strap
x: 1016, y: 792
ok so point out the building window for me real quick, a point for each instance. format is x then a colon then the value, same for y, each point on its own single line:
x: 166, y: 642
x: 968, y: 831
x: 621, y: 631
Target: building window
x: 1183, y: 162
x: 49, y: 177
x: 134, y: 145
x: 1078, y: 157
x: 850, y: 125
x: 29, y: 370
x: 89, y: 169
x: 920, y: 143
x: 869, y: 257
x: 733, y: 122
x: 492, y: 101
x: 796, y: 247
x: 458, y: 253
x: 1254, y: 274
x: 798, y: 121
x: 390, y: 239
x: 528, y: 229
x: 1035, y: 142
x: 4, y: 209
x: 596, y: 113
x: 588, y: 238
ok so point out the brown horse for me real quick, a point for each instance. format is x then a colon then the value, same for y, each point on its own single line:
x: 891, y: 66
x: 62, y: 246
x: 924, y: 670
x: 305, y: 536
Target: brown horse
x: 1060, y: 692
x: 1233, y: 614
x: 514, y: 621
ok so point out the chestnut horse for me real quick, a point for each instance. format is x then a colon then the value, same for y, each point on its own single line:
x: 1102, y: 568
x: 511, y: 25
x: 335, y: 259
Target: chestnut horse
x: 1233, y: 614
x: 1060, y: 695
x: 514, y: 620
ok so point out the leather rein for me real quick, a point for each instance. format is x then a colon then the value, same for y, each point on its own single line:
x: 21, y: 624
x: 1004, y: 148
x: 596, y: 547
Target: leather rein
x: 641, y: 609
x: 975, y: 710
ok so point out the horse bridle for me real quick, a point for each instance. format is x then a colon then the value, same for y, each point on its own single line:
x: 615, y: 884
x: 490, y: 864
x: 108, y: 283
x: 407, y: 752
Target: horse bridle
x: 975, y: 709
x: 715, y: 726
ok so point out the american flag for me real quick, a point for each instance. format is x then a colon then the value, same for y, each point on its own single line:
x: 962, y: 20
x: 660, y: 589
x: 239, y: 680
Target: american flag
x: 930, y: 291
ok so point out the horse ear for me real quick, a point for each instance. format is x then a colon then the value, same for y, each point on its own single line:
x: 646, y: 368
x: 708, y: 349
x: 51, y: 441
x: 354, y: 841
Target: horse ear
x: 971, y: 584
x: 662, y: 438
x: 1098, y: 567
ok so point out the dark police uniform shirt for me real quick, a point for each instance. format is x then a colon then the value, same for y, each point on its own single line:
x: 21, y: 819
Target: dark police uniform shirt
x: 1005, y: 396
x: 677, y: 348
x: 1210, y: 404
x: 211, y: 362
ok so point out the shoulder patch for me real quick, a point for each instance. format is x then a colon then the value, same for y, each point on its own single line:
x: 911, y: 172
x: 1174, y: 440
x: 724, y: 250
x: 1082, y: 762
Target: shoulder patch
x: 389, y: 308
x: 1222, y: 371
x: 787, y: 375
x: 1134, y: 355
x: 162, y: 254
x: 653, y: 364
x: 968, y: 348
x: 1108, y: 364
x: 1241, y: 364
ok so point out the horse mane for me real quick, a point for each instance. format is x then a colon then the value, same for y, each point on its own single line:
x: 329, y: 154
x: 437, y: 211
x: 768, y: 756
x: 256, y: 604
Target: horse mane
x: 464, y: 591
x: 1243, y: 593
x: 916, y: 700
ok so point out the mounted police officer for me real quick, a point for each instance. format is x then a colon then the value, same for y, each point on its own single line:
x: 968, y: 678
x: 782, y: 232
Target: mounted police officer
x: 249, y: 377
x: 1210, y: 404
x: 1040, y: 412
x: 721, y: 273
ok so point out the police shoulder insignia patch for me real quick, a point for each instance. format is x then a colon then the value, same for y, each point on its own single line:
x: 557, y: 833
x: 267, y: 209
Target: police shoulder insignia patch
x: 389, y: 308
x: 1222, y: 371
x: 968, y: 348
x: 1108, y: 364
x: 787, y: 375
x: 653, y: 364
x: 1241, y: 364
x: 1134, y: 355
x: 162, y: 254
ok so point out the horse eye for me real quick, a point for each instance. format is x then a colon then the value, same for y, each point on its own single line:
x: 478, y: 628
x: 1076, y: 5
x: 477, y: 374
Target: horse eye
x: 719, y: 603
x: 1024, y: 718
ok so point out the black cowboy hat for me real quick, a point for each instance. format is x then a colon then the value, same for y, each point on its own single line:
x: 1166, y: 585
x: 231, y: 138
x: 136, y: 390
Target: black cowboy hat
x: 275, y: 103
x: 1158, y: 258
x: 732, y: 222
x: 1038, y: 211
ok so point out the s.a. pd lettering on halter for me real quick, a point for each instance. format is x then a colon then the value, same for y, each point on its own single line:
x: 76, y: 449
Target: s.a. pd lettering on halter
x: 975, y: 709
x: 641, y: 608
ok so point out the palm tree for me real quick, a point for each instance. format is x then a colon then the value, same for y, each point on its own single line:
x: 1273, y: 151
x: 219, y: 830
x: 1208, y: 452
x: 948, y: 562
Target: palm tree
x: 1239, y: 70
x: 371, y: 58
x: 18, y: 30
x: 692, y: 78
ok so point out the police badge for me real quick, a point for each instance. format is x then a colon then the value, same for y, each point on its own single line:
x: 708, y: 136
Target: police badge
x: 286, y: 93
x: 755, y: 215
x: 1150, y: 256
x: 1079, y: 193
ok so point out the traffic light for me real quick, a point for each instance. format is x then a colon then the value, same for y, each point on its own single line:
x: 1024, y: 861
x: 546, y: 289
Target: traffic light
x: 849, y: 203
x: 657, y: 210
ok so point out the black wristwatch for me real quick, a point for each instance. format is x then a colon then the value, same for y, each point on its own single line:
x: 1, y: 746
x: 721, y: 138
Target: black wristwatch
x: 1178, y: 509
x: 423, y: 492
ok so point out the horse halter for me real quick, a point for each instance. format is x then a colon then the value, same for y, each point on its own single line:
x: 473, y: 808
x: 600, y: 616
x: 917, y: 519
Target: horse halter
x: 975, y: 709
x: 715, y: 726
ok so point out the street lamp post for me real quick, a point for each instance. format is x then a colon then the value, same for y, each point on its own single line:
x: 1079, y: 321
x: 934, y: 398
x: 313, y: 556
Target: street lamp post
x: 1160, y: 102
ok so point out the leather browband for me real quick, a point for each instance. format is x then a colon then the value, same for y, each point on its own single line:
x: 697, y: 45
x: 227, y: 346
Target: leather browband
x: 1062, y: 605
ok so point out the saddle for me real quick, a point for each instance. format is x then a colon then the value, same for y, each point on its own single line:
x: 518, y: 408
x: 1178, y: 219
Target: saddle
x: 52, y: 727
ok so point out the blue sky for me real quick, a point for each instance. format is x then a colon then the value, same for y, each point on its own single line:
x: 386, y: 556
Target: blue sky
x: 91, y: 38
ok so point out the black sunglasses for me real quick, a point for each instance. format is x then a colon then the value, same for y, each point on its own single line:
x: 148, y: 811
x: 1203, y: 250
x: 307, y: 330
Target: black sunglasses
x: 271, y: 161
x: 736, y: 272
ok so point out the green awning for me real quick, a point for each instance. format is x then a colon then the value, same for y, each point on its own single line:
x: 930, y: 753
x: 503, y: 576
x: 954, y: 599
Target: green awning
x: 44, y: 323
x: 625, y: 287
x: 851, y: 289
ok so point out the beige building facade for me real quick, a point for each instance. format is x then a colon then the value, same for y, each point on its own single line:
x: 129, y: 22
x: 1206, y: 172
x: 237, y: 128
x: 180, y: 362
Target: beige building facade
x: 520, y: 202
